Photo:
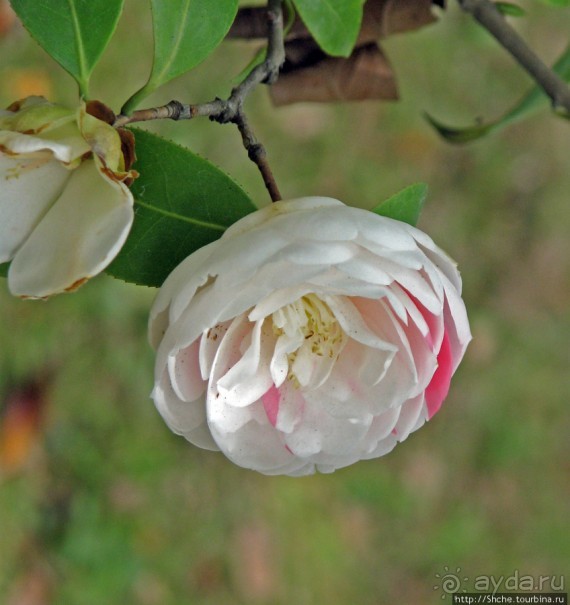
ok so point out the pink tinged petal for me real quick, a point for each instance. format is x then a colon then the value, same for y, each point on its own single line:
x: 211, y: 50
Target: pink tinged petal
x: 401, y: 380
x: 414, y: 311
x: 410, y: 414
x: 78, y: 237
x: 271, y: 404
x: 28, y: 188
x: 183, y: 418
x: 291, y: 407
x: 409, y: 341
x: 456, y: 323
x: 185, y: 375
x: 438, y: 388
x: 425, y: 360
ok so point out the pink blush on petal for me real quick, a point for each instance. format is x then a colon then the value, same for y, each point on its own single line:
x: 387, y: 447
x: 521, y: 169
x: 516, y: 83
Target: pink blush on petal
x: 438, y: 388
x: 271, y: 404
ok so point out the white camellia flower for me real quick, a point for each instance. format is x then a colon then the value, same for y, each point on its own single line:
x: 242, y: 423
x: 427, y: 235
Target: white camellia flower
x: 310, y: 336
x: 65, y: 210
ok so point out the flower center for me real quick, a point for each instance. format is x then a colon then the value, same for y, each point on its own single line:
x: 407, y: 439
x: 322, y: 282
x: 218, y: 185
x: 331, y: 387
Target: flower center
x: 311, y: 336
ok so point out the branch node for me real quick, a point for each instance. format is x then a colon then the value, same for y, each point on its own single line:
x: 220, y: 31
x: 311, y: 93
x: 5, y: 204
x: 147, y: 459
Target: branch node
x: 230, y: 110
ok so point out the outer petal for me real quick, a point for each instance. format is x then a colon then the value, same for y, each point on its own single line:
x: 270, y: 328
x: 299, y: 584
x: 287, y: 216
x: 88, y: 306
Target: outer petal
x: 28, y: 188
x: 77, y: 238
x: 182, y: 417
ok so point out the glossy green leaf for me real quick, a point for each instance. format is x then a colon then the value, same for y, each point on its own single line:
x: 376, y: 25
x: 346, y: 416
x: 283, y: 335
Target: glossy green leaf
x: 182, y: 202
x: 405, y: 205
x: 73, y: 32
x: 185, y: 33
x: 509, y: 9
x: 333, y: 23
x: 535, y: 100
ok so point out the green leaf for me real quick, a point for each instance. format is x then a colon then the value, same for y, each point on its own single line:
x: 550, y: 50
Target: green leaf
x: 182, y: 202
x: 405, y: 205
x: 535, y: 100
x: 74, y: 32
x: 185, y: 33
x: 333, y: 23
x: 509, y: 9
x: 4, y: 269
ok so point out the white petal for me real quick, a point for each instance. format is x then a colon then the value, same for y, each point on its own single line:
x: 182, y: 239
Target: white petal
x: 184, y: 372
x: 223, y: 416
x: 28, y: 188
x: 249, y: 378
x: 65, y: 145
x: 366, y: 267
x: 279, y: 366
x: 277, y: 209
x: 318, y: 431
x: 183, y: 418
x: 259, y: 447
x: 381, y: 428
x: 277, y: 299
x: 383, y: 447
x: 209, y: 344
x: 353, y: 325
x: 78, y: 237
x: 409, y: 416
x: 317, y: 253
x: 181, y: 284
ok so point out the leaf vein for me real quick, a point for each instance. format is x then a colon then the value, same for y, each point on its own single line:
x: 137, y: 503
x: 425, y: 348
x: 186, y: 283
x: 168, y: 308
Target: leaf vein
x: 181, y: 217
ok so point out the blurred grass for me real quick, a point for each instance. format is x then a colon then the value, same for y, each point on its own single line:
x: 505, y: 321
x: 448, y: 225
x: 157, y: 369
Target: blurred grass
x: 111, y: 508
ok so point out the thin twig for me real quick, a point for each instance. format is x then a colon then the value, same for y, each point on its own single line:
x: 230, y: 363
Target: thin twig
x: 230, y: 110
x: 489, y: 16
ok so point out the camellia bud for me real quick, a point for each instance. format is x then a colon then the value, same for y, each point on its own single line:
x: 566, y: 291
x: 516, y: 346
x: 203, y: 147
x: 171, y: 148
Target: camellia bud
x: 65, y: 209
x: 310, y: 336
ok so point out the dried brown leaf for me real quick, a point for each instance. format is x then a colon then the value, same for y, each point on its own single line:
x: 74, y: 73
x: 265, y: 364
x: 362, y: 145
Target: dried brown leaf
x: 366, y: 74
x: 380, y: 18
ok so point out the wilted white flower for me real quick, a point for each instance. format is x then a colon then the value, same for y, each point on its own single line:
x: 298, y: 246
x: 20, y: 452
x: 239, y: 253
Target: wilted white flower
x: 310, y: 336
x: 65, y: 210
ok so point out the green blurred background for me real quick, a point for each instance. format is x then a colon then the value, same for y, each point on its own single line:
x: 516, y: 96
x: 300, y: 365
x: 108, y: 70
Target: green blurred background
x: 101, y: 504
